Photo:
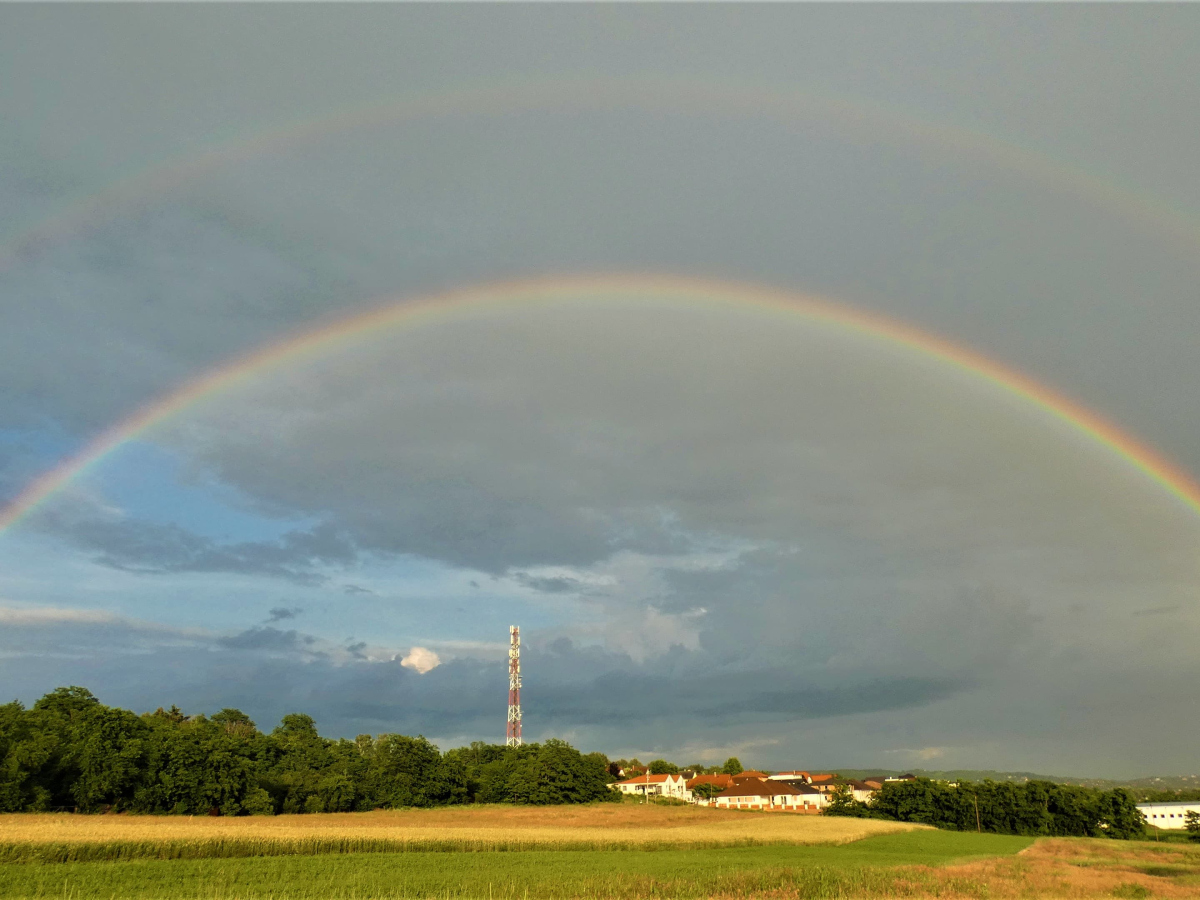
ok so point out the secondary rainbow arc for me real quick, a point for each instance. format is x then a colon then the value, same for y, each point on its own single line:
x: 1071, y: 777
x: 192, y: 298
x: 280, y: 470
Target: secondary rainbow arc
x: 654, y: 95
x: 413, y: 312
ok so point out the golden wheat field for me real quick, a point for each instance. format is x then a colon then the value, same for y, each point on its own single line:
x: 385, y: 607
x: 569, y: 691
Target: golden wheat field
x: 480, y: 828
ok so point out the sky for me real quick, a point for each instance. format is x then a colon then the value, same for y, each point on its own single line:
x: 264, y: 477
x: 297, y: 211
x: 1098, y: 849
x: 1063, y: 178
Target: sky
x: 724, y: 527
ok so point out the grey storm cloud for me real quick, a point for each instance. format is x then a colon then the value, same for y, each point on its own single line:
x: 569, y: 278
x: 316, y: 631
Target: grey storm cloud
x: 559, y: 584
x: 602, y: 700
x: 560, y: 437
x: 571, y: 687
x: 817, y: 537
x: 145, y: 292
x: 758, y: 516
x: 266, y: 638
x: 153, y: 547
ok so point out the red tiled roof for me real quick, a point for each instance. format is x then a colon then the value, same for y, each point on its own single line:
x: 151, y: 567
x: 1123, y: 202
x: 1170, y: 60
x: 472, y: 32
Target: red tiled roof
x: 823, y: 777
x: 721, y: 781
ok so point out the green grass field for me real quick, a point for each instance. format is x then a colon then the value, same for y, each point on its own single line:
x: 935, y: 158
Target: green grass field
x: 861, y: 868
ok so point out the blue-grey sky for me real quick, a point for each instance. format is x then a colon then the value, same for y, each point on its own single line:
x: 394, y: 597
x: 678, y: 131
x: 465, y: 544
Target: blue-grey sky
x: 722, y: 530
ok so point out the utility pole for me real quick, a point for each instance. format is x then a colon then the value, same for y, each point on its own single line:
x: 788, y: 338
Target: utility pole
x: 514, y: 686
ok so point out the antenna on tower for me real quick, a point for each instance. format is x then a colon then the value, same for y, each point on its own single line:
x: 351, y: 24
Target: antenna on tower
x: 514, y: 686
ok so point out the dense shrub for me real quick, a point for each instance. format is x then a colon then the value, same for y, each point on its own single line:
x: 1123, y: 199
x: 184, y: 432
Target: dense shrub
x: 1031, y: 808
x: 72, y: 752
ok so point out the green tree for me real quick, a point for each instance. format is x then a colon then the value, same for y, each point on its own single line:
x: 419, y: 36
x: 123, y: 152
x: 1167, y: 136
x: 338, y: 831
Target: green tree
x: 1192, y: 824
x: 842, y: 803
x: 107, y: 750
x: 1119, y: 816
x: 662, y: 767
x: 27, y: 758
x: 71, y: 751
x: 407, y: 771
x: 196, y: 765
x: 733, y: 766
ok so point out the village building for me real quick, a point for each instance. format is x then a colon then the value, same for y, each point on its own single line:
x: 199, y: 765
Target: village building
x: 824, y: 782
x: 793, y: 775
x: 763, y: 794
x: 671, y: 786
x: 719, y: 781
x: 862, y: 791
x: 1168, y: 815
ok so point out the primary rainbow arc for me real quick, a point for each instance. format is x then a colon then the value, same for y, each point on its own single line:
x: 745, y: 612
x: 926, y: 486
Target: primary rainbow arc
x: 417, y: 311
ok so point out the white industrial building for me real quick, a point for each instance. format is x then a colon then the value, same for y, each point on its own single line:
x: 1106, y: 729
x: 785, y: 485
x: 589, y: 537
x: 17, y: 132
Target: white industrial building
x: 1168, y: 815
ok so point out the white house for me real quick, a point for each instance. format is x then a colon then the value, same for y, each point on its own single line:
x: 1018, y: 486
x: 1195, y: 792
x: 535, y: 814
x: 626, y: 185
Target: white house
x: 758, y: 793
x: 860, y: 790
x: 674, y: 786
x: 1168, y: 815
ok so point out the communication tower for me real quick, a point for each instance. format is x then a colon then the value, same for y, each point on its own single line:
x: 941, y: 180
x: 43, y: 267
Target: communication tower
x: 514, y: 686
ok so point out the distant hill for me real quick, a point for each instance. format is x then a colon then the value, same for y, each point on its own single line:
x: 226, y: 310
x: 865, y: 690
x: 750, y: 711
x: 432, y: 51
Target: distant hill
x: 1151, y: 783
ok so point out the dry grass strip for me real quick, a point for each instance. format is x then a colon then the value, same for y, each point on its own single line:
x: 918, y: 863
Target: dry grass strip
x: 1066, y: 869
x: 477, y: 828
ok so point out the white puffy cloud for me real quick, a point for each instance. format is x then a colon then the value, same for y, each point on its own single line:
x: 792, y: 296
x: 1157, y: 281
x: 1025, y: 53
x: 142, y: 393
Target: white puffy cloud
x: 421, y: 660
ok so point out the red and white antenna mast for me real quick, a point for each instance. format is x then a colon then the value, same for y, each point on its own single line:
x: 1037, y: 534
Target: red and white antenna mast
x: 514, y: 686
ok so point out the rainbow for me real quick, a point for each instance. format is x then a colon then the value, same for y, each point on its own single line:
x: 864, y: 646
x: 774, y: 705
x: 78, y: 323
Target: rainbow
x: 415, y: 312
x: 663, y: 96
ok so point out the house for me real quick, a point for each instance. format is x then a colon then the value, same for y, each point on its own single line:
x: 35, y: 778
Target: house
x: 824, y: 782
x: 720, y: 782
x: 672, y: 786
x: 815, y: 797
x: 1168, y: 815
x: 760, y: 793
x: 862, y: 791
x: 793, y: 775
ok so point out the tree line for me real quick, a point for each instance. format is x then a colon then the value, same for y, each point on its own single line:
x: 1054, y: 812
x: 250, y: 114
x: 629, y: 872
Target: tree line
x: 71, y: 752
x: 1030, y: 808
x: 731, y: 766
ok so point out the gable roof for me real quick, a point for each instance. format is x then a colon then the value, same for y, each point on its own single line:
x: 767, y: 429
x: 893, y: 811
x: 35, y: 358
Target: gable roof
x: 647, y: 779
x: 798, y: 785
x: 757, y: 787
x: 720, y: 780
